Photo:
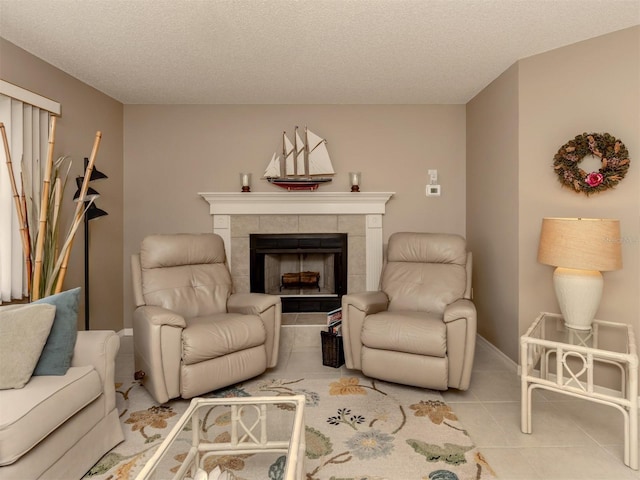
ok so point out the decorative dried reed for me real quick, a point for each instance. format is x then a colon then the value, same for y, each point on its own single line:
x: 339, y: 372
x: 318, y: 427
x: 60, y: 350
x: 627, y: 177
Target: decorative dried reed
x: 47, y: 270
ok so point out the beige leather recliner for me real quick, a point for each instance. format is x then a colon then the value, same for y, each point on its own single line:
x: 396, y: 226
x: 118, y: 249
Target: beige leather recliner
x: 420, y: 329
x: 191, y: 333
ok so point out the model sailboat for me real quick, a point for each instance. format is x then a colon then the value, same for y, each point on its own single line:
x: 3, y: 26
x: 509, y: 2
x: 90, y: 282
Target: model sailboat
x: 306, y: 163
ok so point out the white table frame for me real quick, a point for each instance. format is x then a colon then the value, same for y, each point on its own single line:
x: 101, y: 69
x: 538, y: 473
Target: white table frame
x: 245, y: 438
x: 535, y: 348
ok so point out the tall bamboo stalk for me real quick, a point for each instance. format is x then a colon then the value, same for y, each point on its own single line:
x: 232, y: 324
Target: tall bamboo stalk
x: 80, y: 211
x: 57, y: 202
x: 20, y: 206
x: 44, y: 207
x: 26, y: 245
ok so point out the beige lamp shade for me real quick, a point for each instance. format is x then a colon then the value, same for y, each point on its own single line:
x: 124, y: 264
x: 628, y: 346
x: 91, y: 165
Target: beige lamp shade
x: 581, y: 243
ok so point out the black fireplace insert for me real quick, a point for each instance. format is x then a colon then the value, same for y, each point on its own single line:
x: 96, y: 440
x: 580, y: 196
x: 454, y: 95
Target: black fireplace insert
x: 307, y: 270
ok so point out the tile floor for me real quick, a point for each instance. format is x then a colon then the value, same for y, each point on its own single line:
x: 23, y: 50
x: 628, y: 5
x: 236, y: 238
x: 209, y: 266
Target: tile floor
x: 572, y: 439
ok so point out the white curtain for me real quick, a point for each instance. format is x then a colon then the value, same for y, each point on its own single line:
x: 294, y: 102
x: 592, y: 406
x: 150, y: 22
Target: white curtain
x: 25, y: 116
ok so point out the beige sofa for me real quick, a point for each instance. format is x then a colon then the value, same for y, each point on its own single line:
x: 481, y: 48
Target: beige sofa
x: 58, y: 427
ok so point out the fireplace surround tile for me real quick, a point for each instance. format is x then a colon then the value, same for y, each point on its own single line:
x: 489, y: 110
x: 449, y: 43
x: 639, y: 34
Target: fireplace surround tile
x: 356, y: 261
x: 240, y: 256
x: 318, y: 224
x: 243, y: 225
x: 278, y: 224
x: 356, y: 283
x: 352, y: 225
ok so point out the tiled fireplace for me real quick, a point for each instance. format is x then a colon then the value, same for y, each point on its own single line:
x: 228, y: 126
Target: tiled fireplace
x: 236, y: 216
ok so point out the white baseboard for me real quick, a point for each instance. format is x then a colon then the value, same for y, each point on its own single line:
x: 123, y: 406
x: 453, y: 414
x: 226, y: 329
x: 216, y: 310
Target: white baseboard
x: 126, y: 332
x: 499, y: 353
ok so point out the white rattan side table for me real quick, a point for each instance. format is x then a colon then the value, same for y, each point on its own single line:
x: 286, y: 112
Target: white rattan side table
x: 572, y: 356
x: 251, y: 426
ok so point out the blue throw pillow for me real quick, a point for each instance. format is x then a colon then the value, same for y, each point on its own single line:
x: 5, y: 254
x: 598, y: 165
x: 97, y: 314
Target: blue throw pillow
x: 58, y: 351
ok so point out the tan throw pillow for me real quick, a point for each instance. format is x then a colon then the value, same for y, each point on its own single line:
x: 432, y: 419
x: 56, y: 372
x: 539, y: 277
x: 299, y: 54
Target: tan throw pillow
x: 23, y: 333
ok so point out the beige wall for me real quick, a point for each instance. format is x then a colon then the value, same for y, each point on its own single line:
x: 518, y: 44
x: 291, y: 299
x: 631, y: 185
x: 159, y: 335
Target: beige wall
x: 591, y: 86
x: 492, y: 209
x: 84, y: 111
x: 173, y: 152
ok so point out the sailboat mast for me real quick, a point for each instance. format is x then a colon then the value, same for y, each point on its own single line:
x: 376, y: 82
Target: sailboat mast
x: 306, y: 151
x: 295, y: 151
x: 283, y: 165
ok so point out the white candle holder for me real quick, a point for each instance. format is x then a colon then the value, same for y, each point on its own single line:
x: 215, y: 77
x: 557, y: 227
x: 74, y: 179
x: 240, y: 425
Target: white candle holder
x: 245, y: 180
x: 354, y: 178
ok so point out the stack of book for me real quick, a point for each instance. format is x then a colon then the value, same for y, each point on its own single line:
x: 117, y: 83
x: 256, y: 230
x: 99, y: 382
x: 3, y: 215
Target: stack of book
x: 334, y: 321
x: 332, y: 349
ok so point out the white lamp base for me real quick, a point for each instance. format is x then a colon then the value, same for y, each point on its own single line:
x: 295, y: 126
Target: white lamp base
x: 578, y: 293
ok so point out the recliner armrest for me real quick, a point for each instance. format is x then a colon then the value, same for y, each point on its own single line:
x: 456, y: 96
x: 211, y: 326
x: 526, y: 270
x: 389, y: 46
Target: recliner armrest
x: 251, y: 303
x: 461, y: 308
x: 355, y: 307
x: 367, y: 302
x: 269, y: 309
x: 160, y: 316
x: 460, y: 318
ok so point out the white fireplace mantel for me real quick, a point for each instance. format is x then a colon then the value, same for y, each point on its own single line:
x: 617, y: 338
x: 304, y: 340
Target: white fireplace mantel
x: 371, y: 204
x: 296, y: 203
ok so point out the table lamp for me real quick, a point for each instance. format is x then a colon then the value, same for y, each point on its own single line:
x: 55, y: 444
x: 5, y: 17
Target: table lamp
x: 580, y: 248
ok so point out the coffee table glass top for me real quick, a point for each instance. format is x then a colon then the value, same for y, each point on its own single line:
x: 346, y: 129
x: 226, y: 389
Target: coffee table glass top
x: 254, y: 437
x: 604, y: 335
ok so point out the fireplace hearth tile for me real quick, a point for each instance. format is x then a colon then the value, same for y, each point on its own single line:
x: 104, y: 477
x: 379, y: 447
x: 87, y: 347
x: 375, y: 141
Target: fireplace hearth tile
x: 311, y: 319
x: 289, y: 318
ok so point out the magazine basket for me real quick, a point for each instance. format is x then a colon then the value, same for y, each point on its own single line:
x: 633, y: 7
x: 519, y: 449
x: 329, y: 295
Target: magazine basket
x: 332, y: 350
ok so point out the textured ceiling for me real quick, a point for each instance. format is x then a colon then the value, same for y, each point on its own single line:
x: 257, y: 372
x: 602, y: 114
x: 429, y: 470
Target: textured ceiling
x: 304, y: 51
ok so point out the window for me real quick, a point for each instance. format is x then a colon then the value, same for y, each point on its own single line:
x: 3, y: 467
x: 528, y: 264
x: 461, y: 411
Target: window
x: 25, y: 116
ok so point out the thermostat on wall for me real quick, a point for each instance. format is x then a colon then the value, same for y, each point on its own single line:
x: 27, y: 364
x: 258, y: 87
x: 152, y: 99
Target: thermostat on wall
x: 433, y: 190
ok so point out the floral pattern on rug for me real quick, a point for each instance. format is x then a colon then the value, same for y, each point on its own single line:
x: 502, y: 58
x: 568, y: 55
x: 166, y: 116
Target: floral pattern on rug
x: 356, y: 429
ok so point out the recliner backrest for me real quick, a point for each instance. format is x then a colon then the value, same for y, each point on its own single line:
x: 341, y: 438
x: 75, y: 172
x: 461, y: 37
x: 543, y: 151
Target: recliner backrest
x: 185, y: 273
x: 424, y: 271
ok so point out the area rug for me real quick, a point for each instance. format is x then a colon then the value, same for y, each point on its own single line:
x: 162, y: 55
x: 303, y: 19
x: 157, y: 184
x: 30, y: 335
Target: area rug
x: 356, y: 429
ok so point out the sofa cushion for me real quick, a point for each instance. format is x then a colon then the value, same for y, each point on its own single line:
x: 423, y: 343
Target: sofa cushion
x: 23, y: 332
x: 28, y: 415
x: 58, y: 351
x: 220, y: 334
x: 409, y: 332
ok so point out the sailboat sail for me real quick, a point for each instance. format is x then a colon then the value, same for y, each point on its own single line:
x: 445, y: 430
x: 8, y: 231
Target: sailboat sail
x: 273, y: 169
x: 299, y: 146
x: 289, y: 157
x: 319, y: 161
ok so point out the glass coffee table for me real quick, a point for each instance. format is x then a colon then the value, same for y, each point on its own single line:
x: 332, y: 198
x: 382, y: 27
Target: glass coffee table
x: 264, y: 435
x: 561, y: 359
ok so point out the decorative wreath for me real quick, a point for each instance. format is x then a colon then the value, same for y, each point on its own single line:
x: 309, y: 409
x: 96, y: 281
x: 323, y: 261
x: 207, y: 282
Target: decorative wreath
x: 612, y: 153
